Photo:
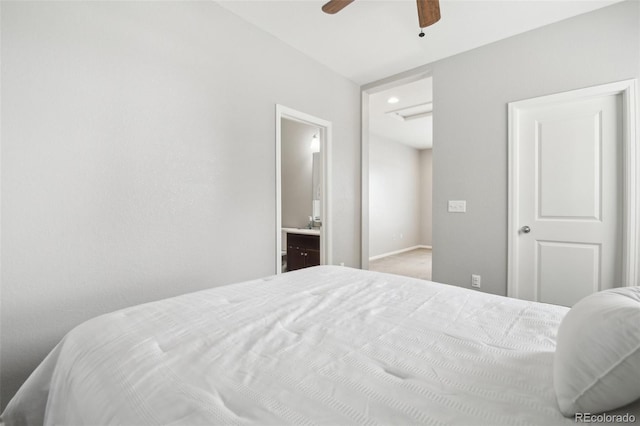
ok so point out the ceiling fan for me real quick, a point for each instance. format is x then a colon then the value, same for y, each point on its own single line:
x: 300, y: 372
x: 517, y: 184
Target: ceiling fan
x: 428, y: 11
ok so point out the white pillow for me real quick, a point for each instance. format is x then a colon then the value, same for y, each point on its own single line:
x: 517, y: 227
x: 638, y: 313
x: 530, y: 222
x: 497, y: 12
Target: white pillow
x: 597, y: 361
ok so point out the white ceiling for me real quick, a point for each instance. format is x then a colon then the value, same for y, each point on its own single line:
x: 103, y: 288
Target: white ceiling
x: 416, y: 132
x: 373, y: 39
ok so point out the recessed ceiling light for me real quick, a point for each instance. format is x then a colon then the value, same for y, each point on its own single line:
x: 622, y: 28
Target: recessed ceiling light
x: 393, y: 100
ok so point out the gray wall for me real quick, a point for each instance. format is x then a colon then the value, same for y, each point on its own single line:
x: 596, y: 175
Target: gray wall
x: 426, y: 197
x: 297, y: 173
x: 471, y: 92
x: 138, y: 159
x: 399, y: 195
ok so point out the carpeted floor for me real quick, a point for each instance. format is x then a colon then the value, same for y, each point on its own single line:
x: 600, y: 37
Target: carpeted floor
x: 415, y: 263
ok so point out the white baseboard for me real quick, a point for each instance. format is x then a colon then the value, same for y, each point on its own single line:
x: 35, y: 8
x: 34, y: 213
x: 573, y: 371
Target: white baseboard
x: 391, y: 253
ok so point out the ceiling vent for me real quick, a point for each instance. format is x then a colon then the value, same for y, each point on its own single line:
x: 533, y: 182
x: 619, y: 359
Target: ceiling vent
x: 412, y: 112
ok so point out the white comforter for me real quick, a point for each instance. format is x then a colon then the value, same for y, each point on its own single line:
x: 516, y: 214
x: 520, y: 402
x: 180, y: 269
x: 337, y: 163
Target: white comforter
x: 325, y: 345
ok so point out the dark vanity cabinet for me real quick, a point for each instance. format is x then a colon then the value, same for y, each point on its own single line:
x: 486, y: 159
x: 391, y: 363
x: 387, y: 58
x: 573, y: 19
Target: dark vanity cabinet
x: 302, y: 251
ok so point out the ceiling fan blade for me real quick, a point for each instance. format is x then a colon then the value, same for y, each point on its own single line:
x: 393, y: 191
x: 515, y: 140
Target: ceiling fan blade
x: 335, y: 6
x: 428, y: 12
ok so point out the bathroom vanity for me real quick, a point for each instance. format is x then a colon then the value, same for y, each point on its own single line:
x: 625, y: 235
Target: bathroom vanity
x: 303, y: 248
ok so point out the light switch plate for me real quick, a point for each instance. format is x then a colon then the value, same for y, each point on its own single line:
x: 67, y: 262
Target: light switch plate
x: 457, y: 206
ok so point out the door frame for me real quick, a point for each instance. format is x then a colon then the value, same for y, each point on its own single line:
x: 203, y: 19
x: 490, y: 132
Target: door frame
x: 630, y: 231
x: 325, y: 156
x: 367, y: 90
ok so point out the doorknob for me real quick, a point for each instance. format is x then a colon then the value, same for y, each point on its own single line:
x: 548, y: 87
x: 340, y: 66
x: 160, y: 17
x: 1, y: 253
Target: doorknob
x: 525, y: 229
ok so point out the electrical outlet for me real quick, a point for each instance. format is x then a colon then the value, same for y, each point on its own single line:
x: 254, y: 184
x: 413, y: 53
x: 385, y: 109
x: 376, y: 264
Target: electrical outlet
x: 475, y: 280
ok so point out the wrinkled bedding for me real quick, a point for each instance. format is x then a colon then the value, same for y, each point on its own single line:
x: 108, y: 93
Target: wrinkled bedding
x: 323, y: 345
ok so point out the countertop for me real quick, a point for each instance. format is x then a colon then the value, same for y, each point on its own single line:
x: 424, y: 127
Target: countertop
x: 304, y: 231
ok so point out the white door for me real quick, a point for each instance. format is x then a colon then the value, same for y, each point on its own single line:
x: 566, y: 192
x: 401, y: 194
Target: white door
x: 568, y: 186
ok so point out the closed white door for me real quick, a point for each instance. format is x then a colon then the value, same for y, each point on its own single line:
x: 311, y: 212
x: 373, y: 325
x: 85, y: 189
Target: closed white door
x: 568, y: 187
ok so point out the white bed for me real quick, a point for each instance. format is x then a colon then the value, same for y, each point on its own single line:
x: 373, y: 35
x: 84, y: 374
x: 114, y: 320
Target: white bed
x: 324, y: 345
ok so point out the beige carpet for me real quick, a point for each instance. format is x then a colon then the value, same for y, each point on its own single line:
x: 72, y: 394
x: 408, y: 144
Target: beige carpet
x: 415, y: 263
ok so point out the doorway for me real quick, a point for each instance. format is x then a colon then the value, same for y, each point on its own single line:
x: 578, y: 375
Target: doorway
x: 309, y: 216
x: 397, y: 175
x: 573, y: 225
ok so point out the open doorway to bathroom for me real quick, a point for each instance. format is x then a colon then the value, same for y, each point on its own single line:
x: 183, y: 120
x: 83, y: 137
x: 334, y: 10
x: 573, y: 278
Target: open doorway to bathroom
x: 400, y: 179
x: 303, y: 171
